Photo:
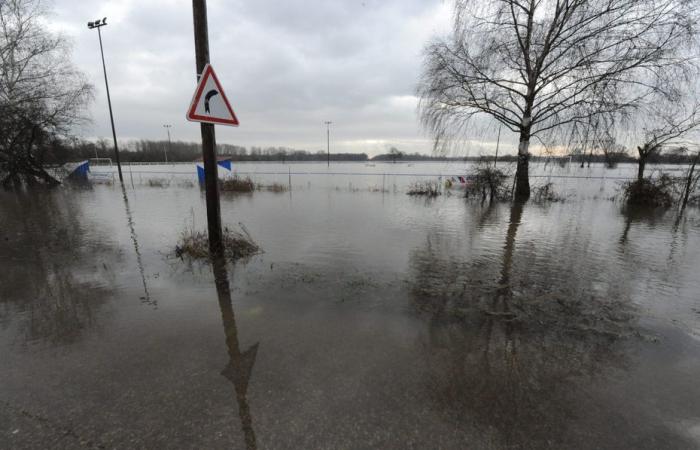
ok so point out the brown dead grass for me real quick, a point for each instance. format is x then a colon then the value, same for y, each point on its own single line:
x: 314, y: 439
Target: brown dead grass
x: 195, y: 244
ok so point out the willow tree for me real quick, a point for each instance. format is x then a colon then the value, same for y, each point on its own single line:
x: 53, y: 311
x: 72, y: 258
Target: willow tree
x: 535, y: 65
x: 42, y: 96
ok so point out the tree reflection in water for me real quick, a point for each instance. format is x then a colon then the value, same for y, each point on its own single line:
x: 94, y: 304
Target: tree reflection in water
x: 56, y: 269
x: 240, y: 366
x: 509, y: 342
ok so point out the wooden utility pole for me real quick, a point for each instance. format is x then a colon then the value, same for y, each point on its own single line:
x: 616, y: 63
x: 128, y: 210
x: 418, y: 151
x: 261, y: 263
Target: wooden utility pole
x: 211, y: 177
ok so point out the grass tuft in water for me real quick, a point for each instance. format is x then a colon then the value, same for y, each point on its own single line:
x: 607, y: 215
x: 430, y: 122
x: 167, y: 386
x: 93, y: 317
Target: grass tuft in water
x: 195, y: 244
x: 158, y: 182
x: 237, y: 184
x: 426, y: 188
x: 274, y: 187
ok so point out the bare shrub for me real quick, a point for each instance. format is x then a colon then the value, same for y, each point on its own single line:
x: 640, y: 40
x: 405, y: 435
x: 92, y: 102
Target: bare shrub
x: 650, y: 192
x: 546, y: 193
x: 487, y: 180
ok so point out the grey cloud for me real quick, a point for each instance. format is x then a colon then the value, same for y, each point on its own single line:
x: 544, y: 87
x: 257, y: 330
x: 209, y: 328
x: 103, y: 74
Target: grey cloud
x: 286, y: 65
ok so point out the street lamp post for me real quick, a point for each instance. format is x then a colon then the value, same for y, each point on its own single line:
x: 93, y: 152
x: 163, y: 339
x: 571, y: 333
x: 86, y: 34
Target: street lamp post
x: 168, y: 127
x: 99, y: 24
x: 328, y: 137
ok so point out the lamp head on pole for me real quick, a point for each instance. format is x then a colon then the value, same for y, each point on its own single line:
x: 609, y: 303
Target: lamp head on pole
x: 98, y: 23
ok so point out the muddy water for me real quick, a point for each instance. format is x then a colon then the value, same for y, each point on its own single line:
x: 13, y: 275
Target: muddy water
x: 371, y: 320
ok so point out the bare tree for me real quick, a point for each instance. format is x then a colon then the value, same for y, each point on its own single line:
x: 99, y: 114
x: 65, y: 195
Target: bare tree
x: 535, y: 65
x: 394, y: 154
x: 42, y: 96
x: 664, y: 122
x: 691, y: 181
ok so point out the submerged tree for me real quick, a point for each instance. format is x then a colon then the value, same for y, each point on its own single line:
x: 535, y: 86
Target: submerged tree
x: 665, y: 121
x: 535, y: 65
x: 42, y: 96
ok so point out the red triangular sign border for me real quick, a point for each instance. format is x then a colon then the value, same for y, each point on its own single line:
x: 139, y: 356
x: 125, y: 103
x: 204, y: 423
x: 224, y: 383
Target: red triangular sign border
x: 193, y: 117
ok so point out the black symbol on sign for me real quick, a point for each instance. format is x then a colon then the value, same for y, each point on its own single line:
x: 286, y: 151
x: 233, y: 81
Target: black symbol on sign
x: 207, y: 97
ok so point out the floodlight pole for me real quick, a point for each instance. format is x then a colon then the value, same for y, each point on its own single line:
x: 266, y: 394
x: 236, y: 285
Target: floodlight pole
x: 168, y: 127
x: 328, y: 140
x: 211, y: 178
x: 98, y: 25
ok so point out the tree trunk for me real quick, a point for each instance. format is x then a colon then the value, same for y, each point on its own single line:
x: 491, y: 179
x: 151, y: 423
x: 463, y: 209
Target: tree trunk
x: 641, y: 166
x: 689, y: 182
x: 522, y: 181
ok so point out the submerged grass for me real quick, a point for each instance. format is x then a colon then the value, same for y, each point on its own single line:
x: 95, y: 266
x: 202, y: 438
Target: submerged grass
x: 158, y: 182
x: 237, y: 184
x: 274, y: 187
x: 237, y: 244
x: 424, y: 188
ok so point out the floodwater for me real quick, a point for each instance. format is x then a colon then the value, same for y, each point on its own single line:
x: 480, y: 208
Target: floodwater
x: 372, y: 319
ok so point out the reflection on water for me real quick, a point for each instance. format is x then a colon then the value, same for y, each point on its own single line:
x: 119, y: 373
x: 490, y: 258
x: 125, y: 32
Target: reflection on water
x: 240, y: 365
x: 56, y: 270
x: 510, y: 346
x: 134, y: 238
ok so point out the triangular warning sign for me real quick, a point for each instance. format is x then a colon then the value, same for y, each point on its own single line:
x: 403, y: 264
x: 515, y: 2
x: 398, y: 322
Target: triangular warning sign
x: 209, y: 103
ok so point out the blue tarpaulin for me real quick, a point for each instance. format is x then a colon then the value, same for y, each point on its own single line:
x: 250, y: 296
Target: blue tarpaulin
x: 226, y: 164
x: 78, y: 170
x: 200, y: 174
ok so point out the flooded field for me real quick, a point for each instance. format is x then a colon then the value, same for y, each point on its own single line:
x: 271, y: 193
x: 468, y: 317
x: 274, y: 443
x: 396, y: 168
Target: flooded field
x: 371, y: 319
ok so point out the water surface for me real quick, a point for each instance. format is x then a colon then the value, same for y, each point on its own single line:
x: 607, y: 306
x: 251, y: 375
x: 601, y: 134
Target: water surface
x: 371, y: 320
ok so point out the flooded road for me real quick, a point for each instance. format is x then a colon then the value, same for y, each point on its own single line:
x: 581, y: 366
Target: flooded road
x: 371, y: 320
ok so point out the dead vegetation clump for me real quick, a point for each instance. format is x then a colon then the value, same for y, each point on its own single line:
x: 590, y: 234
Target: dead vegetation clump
x: 158, y: 182
x: 195, y: 244
x: 185, y: 184
x: 237, y: 184
x: 426, y: 189
x: 485, y: 181
x: 274, y: 187
x: 650, y: 191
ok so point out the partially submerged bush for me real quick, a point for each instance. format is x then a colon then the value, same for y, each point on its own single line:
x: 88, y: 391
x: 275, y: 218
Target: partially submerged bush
x: 650, y: 191
x: 237, y: 184
x: 195, y: 244
x: 427, y: 188
x: 546, y: 193
x: 487, y: 181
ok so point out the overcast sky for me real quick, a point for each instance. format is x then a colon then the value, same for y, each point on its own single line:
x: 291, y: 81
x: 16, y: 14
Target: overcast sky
x: 286, y: 66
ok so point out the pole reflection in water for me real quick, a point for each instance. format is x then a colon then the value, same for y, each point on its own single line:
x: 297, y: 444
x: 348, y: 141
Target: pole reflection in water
x: 130, y: 219
x: 240, y: 365
x: 515, y: 342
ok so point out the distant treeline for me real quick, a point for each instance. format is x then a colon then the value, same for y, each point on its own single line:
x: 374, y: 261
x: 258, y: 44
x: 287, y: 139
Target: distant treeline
x: 178, y: 151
